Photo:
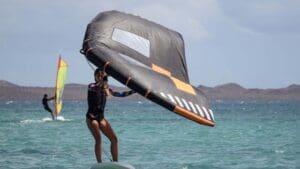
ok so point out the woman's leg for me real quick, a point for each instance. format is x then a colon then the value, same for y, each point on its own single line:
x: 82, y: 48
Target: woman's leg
x: 110, y: 134
x: 93, y: 125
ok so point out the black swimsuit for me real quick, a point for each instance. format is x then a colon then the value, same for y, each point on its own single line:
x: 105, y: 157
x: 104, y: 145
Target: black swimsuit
x: 96, y: 101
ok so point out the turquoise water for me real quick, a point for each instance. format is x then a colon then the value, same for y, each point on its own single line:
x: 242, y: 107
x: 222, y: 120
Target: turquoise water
x: 247, y: 135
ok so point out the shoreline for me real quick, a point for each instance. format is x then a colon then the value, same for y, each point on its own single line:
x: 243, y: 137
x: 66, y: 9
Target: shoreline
x: 225, y: 92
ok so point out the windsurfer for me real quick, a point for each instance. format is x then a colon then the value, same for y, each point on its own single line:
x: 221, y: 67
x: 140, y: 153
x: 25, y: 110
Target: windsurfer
x: 46, y: 106
x: 97, y: 93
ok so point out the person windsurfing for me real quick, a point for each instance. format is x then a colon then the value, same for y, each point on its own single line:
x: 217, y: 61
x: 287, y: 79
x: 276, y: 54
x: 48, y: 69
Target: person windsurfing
x: 46, y: 106
x: 97, y: 94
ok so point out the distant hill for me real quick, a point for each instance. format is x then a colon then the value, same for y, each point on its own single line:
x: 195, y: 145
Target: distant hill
x: 233, y: 91
x: 230, y: 91
x: 72, y: 91
x: 4, y: 83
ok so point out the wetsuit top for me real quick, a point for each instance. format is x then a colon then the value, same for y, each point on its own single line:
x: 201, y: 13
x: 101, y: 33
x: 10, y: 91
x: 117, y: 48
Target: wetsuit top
x: 45, y: 102
x: 97, y: 99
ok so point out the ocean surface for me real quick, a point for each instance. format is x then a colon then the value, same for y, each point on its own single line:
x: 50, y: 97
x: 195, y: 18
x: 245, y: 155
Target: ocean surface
x: 247, y: 135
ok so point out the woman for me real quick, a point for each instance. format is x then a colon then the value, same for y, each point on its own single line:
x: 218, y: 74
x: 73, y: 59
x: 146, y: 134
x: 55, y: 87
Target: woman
x: 97, y: 93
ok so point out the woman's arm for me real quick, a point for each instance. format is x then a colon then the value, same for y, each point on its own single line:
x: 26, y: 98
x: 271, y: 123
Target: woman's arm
x: 107, y: 89
x: 51, y: 98
x: 121, y: 94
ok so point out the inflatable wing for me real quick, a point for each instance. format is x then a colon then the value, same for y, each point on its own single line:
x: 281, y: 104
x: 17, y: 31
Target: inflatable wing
x: 147, y: 58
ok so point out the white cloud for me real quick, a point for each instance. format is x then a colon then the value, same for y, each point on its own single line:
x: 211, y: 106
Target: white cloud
x: 187, y: 17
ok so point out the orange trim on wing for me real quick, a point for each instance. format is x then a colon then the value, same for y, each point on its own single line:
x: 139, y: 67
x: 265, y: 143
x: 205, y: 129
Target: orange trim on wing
x: 86, y: 40
x: 178, y: 83
x: 192, y: 116
x: 127, y: 81
x: 89, y: 49
x: 183, y: 86
x: 105, y: 66
x: 147, y: 93
x: 160, y: 70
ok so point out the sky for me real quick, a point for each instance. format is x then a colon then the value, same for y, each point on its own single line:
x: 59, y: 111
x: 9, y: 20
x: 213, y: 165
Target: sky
x: 253, y: 43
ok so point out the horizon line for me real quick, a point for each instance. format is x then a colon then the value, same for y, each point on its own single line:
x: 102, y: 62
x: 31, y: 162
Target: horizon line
x: 224, y: 84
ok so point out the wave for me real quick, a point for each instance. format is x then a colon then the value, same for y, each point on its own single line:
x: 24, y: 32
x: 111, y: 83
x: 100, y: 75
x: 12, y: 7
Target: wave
x: 9, y: 102
x: 44, y: 120
x: 61, y: 118
x: 29, y: 121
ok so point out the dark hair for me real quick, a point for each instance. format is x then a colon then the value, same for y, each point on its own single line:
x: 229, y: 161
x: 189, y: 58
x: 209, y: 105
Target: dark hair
x: 98, y: 70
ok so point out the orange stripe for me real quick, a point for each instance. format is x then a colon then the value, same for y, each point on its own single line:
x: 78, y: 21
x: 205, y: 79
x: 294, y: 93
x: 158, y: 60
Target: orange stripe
x: 88, y: 51
x: 193, y: 116
x: 178, y: 83
x: 127, y: 81
x: 147, y: 93
x: 86, y: 40
x: 183, y: 86
x: 160, y: 70
x: 106, y: 64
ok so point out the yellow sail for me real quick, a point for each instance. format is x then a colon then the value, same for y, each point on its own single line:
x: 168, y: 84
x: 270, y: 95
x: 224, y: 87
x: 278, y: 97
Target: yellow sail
x: 60, y: 83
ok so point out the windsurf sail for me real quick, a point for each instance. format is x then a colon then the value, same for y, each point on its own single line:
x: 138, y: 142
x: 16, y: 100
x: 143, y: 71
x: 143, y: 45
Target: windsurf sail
x: 60, y: 83
x: 148, y: 58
